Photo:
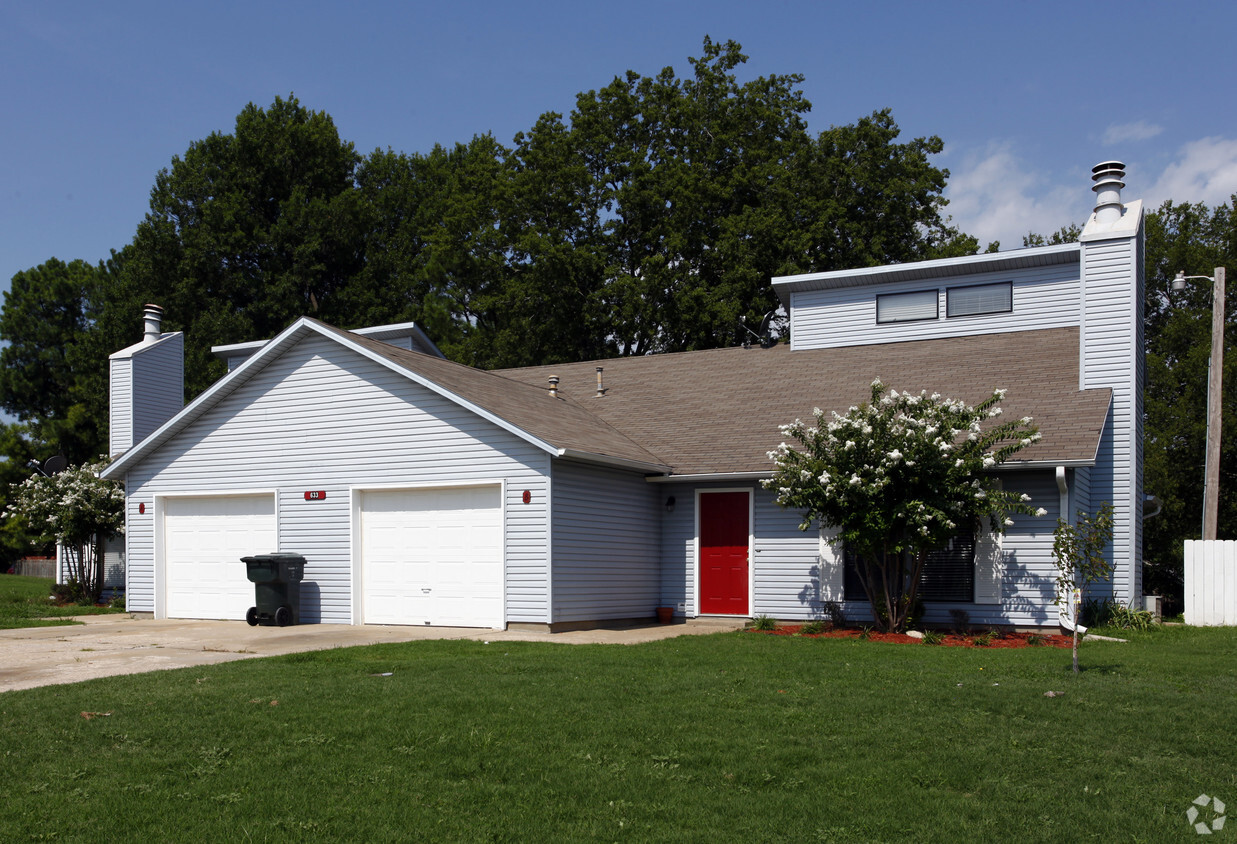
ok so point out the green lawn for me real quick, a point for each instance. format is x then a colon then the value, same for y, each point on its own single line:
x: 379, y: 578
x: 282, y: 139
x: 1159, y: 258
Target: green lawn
x: 730, y: 737
x: 23, y: 603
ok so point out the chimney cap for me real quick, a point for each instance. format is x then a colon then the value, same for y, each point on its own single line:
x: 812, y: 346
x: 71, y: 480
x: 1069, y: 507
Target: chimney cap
x: 152, y: 321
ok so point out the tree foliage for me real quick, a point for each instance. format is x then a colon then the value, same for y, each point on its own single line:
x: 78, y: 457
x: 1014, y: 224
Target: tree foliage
x: 1197, y: 239
x: 897, y: 477
x: 76, y: 509
x: 246, y: 232
x: 649, y: 219
x: 49, y: 377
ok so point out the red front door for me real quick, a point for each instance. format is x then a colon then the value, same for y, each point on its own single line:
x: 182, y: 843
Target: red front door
x: 724, y: 561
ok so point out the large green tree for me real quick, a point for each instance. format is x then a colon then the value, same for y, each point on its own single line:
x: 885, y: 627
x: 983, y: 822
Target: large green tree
x: 648, y: 219
x: 1197, y: 239
x: 246, y: 232
x: 50, y: 377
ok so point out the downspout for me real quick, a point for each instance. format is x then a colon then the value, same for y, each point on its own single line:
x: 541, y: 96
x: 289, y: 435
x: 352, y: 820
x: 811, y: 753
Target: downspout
x: 1067, y: 608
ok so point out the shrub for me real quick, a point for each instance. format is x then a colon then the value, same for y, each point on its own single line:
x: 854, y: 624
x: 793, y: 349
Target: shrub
x: 983, y: 640
x: 764, y: 622
x: 1109, y: 613
x: 68, y: 593
x: 933, y: 637
x: 813, y: 627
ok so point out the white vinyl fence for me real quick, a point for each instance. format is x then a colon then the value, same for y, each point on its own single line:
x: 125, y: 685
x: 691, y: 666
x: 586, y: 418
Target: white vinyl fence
x: 1211, y: 582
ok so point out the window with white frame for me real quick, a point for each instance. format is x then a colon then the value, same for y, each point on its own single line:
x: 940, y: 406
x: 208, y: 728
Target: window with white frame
x: 907, y: 307
x: 979, y: 299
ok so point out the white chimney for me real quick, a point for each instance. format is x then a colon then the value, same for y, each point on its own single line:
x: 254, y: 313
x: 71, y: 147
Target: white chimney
x: 146, y: 383
x: 1107, y: 176
x: 153, y: 319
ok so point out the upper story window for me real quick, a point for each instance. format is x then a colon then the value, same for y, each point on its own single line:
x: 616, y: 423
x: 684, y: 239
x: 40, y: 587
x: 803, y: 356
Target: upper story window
x: 907, y: 307
x: 979, y: 299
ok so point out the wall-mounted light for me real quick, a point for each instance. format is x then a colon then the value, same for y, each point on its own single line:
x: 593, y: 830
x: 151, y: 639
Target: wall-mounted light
x: 670, y: 504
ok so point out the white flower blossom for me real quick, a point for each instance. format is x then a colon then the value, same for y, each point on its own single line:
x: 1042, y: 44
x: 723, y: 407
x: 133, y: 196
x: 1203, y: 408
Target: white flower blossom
x: 1041, y: 512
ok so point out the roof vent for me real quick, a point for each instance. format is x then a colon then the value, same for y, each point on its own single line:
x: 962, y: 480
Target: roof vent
x: 554, y: 386
x: 601, y: 391
x: 1107, y: 176
x: 153, y: 320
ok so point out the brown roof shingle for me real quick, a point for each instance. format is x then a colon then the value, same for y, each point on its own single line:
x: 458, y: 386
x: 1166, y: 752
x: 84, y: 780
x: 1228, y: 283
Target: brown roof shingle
x: 719, y: 411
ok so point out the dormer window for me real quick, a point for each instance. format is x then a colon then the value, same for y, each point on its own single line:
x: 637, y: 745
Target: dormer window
x: 979, y: 299
x: 907, y: 307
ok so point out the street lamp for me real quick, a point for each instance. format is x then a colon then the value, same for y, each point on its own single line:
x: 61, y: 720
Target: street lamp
x: 1211, y: 481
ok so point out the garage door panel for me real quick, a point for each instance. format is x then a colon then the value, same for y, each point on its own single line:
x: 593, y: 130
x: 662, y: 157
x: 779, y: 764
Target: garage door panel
x: 204, y: 539
x: 432, y: 556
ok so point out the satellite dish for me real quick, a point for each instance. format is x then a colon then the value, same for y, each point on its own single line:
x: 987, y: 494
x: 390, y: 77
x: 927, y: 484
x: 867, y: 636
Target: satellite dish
x: 55, y: 465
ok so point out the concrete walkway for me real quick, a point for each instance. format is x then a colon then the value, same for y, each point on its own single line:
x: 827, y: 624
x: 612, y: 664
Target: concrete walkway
x: 107, y: 645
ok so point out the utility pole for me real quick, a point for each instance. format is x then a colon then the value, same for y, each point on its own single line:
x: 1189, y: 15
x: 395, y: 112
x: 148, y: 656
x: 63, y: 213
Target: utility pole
x: 1211, y: 495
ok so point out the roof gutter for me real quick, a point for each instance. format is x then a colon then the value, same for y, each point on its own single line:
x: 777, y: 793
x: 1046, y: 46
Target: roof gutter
x: 607, y: 460
x: 710, y: 476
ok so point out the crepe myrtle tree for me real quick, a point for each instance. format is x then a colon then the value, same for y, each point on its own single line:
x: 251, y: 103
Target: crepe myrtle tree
x: 77, y: 509
x: 897, y: 476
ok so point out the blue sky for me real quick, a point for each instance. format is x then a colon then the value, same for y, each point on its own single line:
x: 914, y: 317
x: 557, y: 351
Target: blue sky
x: 97, y: 98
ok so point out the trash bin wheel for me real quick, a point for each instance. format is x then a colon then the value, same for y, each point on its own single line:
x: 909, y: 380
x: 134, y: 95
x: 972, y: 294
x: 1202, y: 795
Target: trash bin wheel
x: 251, y: 617
x: 283, y: 616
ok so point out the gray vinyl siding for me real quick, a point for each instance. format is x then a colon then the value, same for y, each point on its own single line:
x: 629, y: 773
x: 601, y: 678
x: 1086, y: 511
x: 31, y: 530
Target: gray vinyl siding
x: 321, y: 417
x: 678, y: 547
x: 120, y: 388
x: 1043, y: 297
x: 788, y: 565
x: 158, y: 385
x: 1080, y: 494
x: 606, y: 536
x: 1111, y: 356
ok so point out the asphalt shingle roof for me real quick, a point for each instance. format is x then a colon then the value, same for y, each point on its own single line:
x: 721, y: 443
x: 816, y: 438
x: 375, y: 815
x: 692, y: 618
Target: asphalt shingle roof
x: 719, y: 411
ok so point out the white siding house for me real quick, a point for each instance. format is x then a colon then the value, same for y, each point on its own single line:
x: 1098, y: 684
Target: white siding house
x: 425, y: 492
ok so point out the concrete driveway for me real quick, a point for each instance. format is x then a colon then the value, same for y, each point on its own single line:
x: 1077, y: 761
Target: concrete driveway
x: 107, y: 645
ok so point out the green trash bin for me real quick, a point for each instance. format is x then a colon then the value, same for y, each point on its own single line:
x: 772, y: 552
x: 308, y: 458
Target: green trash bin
x: 277, y: 588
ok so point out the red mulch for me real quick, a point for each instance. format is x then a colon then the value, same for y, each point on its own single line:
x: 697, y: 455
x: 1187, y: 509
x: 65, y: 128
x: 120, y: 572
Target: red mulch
x: 952, y: 640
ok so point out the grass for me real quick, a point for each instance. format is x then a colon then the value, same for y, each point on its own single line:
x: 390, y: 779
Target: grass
x: 23, y: 603
x: 729, y: 737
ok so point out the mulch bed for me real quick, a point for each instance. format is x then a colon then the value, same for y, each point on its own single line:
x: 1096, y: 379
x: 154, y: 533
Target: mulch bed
x: 951, y: 640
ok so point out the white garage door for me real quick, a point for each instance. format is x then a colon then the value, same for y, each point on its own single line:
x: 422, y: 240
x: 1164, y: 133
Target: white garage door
x: 203, y: 541
x: 432, y: 556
